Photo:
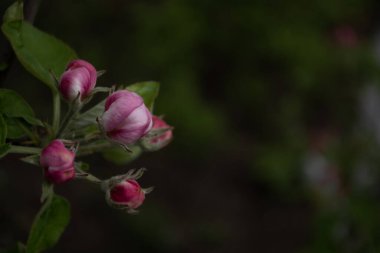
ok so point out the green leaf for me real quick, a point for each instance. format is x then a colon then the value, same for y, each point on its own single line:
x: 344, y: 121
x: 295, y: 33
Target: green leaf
x: 147, y: 90
x: 3, y: 130
x: 48, y: 225
x: 40, y: 53
x: 15, y: 131
x: 13, y: 105
x: 14, y: 12
x: 120, y: 156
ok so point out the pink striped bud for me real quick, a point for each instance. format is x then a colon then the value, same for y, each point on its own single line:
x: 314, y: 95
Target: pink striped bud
x: 79, y: 78
x: 127, y: 193
x: 126, y: 119
x: 58, y: 162
x: 123, y: 192
x: 159, y: 136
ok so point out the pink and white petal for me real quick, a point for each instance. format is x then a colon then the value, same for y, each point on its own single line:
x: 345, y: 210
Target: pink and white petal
x: 117, y: 113
x: 90, y: 68
x: 56, y: 154
x: 132, y: 100
x: 73, y: 82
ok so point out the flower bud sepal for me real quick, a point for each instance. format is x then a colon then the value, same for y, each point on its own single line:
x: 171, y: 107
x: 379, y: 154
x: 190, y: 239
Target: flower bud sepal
x: 124, y: 193
x: 158, y: 137
x: 146, y: 141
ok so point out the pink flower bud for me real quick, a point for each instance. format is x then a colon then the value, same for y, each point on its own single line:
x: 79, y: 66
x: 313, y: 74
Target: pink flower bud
x: 159, y: 136
x: 127, y: 193
x: 123, y: 192
x: 79, y: 78
x: 58, y: 162
x: 126, y: 119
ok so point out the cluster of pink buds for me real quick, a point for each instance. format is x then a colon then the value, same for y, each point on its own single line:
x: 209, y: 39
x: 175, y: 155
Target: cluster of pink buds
x: 126, y: 120
x: 115, y: 122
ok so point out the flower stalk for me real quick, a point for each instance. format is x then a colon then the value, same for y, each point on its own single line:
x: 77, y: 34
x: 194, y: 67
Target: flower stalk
x: 24, y: 150
x: 56, y: 111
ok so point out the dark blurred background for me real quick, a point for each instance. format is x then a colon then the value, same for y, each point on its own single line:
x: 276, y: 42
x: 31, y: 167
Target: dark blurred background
x: 276, y: 109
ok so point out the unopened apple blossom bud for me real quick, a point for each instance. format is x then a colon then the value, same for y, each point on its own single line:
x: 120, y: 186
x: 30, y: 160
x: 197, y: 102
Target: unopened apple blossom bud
x: 79, y: 79
x: 159, y: 136
x: 128, y: 193
x: 126, y: 119
x: 58, y: 162
x: 124, y: 192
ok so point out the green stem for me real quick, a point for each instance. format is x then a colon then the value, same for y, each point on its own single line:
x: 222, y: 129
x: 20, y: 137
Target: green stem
x: 56, y: 111
x: 24, y: 150
x: 70, y: 115
x: 65, y: 121
x: 92, y: 178
x: 88, y: 177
